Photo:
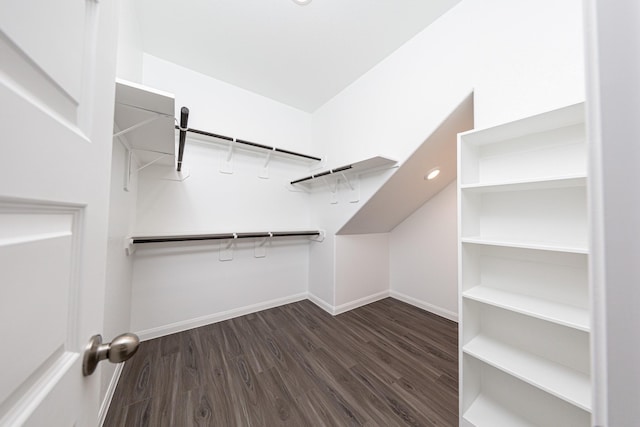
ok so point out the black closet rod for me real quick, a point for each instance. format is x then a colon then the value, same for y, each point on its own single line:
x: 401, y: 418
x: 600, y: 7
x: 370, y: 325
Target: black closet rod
x: 225, y: 236
x: 184, y: 118
x: 252, y: 144
x: 329, y: 172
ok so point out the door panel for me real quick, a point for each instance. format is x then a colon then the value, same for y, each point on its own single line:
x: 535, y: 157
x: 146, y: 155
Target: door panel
x: 37, y: 246
x: 65, y: 22
x: 57, y: 79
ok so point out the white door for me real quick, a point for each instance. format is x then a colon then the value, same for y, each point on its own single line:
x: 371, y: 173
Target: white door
x: 57, y: 67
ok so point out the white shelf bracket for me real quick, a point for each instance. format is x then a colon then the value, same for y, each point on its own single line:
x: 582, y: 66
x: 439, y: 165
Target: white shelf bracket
x: 264, y: 174
x: 226, y: 249
x: 260, y: 248
x: 162, y: 156
x: 333, y: 189
x: 127, y: 171
x: 354, y: 188
x: 320, y: 237
x: 142, y: 123
x: 129, y: 247
x: 227, y: 165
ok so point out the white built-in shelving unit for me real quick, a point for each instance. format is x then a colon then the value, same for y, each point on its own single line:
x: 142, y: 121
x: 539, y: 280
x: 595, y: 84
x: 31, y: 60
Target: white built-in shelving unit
x: 523, y: 252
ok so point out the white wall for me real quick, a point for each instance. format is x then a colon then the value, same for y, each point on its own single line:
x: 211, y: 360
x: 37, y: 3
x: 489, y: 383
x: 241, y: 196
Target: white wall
x: 117, y: 298
x: 423, y: 256
x: 520, y: 58
x: 182, y: 286
x: 185, y: 285
x: 367, y: 279
x: 129, y: 60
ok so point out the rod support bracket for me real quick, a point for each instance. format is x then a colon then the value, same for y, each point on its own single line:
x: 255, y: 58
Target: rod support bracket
x: 227, y: 164
x: 264, y: 173
x: 129, y: 247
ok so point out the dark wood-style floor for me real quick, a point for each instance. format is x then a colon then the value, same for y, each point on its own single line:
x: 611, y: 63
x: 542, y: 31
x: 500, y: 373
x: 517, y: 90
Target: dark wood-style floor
x: 384, y: 364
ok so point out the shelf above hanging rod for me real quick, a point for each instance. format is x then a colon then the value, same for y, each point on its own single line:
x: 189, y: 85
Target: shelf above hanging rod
x: 223, y: 236
x: 370, y: 164
x: 251, y: 144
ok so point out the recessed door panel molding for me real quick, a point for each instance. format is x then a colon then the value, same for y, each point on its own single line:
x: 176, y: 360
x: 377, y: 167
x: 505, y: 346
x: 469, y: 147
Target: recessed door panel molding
x: 55, y: 80
x: 54, y: 17
x: 37, y: 242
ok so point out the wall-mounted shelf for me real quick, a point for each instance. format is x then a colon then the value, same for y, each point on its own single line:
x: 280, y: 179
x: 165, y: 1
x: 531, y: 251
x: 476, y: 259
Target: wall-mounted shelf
x: 367, y: 165
x: 144, y: 120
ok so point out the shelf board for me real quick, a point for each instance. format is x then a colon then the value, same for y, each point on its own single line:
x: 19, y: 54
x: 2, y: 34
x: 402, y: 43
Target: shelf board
x: 367, y: 165
x: 569, y: 385
x: 135, y: 103
x: 532, y: 184
x: 562, y: 314
x: 485, y: 411
x: 524, y: 245
x: 544, y: 122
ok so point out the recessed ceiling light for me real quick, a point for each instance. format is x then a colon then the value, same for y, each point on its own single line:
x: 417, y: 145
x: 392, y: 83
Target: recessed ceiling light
x: 302, y: 2
x: 432, y: 174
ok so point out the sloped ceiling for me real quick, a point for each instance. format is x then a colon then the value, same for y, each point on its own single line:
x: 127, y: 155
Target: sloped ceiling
x: 407, y: 190
x: 301, y: 56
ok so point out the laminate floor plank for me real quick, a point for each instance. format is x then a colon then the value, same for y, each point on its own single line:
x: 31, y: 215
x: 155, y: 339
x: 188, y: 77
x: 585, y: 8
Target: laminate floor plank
x: 385, y: 364
x: 167, y: 382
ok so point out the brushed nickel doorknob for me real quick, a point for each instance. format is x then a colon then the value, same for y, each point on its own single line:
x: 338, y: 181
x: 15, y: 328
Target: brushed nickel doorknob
x: 119, y: 350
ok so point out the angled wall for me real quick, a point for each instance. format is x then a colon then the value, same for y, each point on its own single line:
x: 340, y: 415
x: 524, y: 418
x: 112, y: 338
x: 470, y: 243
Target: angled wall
x: 519, y: 58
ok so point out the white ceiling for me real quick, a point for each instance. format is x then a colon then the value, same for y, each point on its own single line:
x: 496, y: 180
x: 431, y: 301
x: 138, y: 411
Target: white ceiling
x: 299, y: 55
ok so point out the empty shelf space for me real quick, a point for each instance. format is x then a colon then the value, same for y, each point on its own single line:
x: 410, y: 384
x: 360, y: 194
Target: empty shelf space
x: 367, y: 165
x: 537, y: 184
x: 563, y: 382
x: 562, y: 314
x: 485, y: 411
x: 525, y: 245
x: 545, y: 145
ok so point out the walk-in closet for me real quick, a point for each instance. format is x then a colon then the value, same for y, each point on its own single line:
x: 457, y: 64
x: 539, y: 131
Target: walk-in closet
x: 318, y: 212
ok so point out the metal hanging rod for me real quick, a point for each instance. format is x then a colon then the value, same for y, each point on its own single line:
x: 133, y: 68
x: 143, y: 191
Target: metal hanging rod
x: 249, y: 143
x: 223, y: 236
x: 318, y: 175
x: 184, y: 118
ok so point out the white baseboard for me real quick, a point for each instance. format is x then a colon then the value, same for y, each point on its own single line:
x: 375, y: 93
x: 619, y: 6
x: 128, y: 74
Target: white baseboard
x: 184, y: 325
x: 106, y: 402
x: 333, y: 310
x: 321, y: 303
x: 360, y: 302
x: 447, y: 314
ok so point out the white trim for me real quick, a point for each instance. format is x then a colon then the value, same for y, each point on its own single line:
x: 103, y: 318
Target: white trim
x: 106, y: 402
x: 447, y: 314
x: 31, y: 394
x: 321, y: 303
x: 184, y: 325
x: 360, y: 302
